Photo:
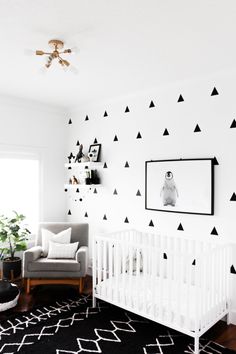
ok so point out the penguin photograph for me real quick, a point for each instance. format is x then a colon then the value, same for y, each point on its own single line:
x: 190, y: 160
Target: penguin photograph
x: 169, y: 191
x: 180, y: 186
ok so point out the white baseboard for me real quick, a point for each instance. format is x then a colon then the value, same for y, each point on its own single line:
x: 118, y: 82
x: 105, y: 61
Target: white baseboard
x: 232, y: 317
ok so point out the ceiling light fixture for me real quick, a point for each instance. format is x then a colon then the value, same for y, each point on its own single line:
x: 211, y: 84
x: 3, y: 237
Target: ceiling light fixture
x: 57, y: 46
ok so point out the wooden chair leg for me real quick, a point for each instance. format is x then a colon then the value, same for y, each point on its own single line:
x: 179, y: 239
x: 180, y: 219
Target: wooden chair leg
x: 81, y: 285
x: 28, y: 286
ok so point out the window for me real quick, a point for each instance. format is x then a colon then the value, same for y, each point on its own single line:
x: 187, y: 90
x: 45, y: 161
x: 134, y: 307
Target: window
x: 19, y: 188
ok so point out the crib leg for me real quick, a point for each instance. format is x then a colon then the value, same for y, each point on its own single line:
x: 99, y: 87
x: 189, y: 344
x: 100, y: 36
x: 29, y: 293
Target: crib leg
x: 196, y: 345
x: 94, y: 301
x: 228, y: 319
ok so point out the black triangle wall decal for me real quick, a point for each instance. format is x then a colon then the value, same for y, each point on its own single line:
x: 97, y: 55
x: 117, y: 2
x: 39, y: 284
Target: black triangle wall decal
x: 138, y: 193
x: 77, y: 190
x: 115, y: 192
x: 233, y: 198
x: 70, y: 121
x: 180, y: 99
x: 233, y: 124
x: 65, y: 189
x: 127, y: 109
x: 95, y: 191
x: 197, y: 129
x: 86, y: 215
x: 164, y: 255
x: 151, y: 104
x: 69, y: 168
x: 71, y: 156
x: 104, y: 217
x: 215, y: 162
x: 166, y: 132
x: 77, y: 143
x: 180, y: 227
x: 214, y: 92
x: 69, y: 212
x: 126, y: 220
x: 214, y: 231
x: 105, y: 114
x: 232, y: 269
x: 194, y: 262
x: 105, y: 165
x: 151, y: 223
x: 115, y: 138
x: 86, y: 118
x: 95, y: 141
x: 139, y: 136
x: 126, y: 164
x: 80, y: 199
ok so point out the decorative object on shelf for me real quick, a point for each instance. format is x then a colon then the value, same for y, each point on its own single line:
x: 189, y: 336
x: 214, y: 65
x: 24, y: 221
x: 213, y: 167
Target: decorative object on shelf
x: 56, y: 45
x: 74, y: 180
x: 84, y: 159
x: 88, y: 177
x: 91, y: 156
x: 94, y: 177
x: 71, y: 156
x: 95, y: 149
x: 13, y: 237
x: 80, y: 154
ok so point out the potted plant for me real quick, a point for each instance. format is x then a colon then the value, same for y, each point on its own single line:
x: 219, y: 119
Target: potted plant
x: 13, y: 237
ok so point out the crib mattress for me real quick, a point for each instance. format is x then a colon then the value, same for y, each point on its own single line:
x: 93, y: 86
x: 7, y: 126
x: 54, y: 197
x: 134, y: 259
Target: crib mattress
x: 163, y: 299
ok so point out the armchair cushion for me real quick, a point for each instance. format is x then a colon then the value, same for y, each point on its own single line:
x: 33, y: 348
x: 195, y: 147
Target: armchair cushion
x: 54, y: 265
x: 61, y: 237
x: 66, y: 250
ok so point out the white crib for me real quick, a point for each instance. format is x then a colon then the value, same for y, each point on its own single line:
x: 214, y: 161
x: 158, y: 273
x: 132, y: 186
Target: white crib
x: 178, y: 282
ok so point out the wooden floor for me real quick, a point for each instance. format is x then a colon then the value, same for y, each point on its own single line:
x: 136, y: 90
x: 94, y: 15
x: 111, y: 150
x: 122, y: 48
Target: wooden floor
x: 44, y: 295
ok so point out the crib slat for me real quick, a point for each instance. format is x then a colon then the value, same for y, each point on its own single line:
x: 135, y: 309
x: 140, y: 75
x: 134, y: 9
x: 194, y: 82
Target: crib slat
x: 137, y: 276
x: 94, y: 251
x: 110, y: 290
x: 188, y: 283
x: 161, y: 275
x: 99, y: 261
x: 168, y: 279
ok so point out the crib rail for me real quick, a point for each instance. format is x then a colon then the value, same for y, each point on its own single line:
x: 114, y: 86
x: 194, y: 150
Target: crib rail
x: 177, y: 281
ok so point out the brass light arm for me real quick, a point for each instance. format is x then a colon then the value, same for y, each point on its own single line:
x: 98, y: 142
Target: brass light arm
x: 63, y: 61
x: 66, y: 51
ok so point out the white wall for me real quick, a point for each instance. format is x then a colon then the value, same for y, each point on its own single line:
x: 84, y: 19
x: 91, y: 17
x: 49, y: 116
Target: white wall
x: 29, y: 127
x: 214, y: 115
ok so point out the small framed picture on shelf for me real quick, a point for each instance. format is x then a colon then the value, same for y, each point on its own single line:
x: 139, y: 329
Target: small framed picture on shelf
x: 94, y: 152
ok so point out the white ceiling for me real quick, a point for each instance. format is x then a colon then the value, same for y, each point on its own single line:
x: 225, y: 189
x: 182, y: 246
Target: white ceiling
x: 124, y: 45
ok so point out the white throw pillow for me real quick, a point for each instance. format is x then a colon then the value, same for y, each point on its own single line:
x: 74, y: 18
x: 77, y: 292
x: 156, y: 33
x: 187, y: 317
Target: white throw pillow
x: 62, y: 237
x: 58, y: 250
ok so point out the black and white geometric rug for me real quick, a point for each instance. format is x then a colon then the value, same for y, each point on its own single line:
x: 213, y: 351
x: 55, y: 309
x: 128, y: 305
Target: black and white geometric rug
x: 74, y: 327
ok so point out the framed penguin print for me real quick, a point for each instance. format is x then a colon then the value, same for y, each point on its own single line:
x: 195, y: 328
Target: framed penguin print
x: 180, y: 186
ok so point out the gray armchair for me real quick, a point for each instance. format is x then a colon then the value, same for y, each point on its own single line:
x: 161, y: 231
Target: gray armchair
x: 41, y: 270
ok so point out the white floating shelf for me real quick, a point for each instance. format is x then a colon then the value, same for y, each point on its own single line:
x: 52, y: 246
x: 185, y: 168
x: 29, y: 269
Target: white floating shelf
x: 81, y: 186
x: 82, y: 165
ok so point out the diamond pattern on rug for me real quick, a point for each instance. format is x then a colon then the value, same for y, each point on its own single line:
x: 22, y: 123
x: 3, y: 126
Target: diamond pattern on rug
x: 75, y: 327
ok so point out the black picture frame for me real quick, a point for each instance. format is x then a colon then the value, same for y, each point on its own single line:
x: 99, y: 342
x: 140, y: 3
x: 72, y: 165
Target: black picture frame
x: 159, y: 173
x: 95, y: 148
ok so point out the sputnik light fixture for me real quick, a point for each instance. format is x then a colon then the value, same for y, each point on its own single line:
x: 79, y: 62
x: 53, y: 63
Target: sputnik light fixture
x: 57, y: 50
